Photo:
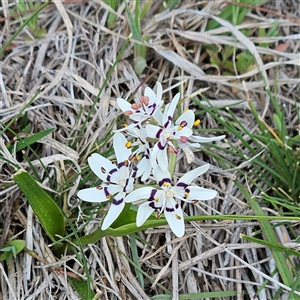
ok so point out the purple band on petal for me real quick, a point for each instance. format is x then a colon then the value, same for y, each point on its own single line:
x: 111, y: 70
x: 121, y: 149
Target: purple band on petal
x: 153, y: 106
x: 117, y: 202
x: 125, y: 186
x: 164, y: 180
x: 166, y: 125
x: 161, y: 145
x: 134, y: 172
x: 112, y: 171
x: 182, y: 184
x: 152, y: 194
x: 106, y: 192
x: 169, y: 209
x: 158, y: 133
x: 152, y: 204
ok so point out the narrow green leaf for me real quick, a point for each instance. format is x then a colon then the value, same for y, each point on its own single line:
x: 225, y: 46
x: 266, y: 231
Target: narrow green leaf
x: 270, y: 236
x: 49, y: 214
x: 30, y: 140
x: 271, y: 245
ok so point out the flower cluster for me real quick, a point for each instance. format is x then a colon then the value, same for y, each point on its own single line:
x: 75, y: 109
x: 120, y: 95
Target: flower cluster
x: 142, y: 151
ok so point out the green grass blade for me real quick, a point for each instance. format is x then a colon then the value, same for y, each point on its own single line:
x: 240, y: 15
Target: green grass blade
x: 270, y: 236
x: 2, y: 50
x: 27, y: 141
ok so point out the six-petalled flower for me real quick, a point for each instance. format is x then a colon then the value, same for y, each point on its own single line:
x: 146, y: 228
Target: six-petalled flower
x: 149, y: 125
x: 165, y: 199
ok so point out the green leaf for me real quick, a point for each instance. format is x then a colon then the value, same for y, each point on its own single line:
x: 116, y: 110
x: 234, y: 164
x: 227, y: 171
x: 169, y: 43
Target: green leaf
x: 82, y: 288
x: 30, y: 140
x: 11, y: 249
x: 49, y: 214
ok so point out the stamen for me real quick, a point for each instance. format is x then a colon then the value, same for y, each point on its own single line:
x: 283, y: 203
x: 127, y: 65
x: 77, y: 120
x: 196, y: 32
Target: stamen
x: 136, y: 106
x: 99, y: 187
x: 128, y: 145
x: 173, y: 150
x: 128, y: 113
x: 186, y: 195
x: 195, y: 201
x: 183, y: 139
x: 145, y: 100
x: 177, y: 217
x: 103, y: 170
x: 197, y: 122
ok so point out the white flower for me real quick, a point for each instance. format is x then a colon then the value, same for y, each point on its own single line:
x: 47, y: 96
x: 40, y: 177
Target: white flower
x: 165, y: 134
x: 117, y: 179
x: 164, y: 200
x: 144, y: 165
x: 187, y: 119
x: 148, y: 105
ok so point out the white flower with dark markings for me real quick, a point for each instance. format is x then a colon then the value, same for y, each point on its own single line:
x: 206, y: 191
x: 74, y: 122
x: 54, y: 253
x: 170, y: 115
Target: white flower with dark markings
x: 165, y: 199
x: 117, y: 179
x: 165, y: 133
x: 148, y: 105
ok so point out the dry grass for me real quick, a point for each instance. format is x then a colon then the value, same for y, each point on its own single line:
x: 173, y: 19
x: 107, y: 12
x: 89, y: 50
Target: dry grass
x: 72, y: 61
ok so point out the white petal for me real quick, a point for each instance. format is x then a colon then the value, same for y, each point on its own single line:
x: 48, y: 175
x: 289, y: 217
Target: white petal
x: 199, y: 193
x: 138, y: 117
x: 92, y: 195
x: 124, y: 105
x: 158, y: 92
x: 121, y: 151
x: 171, y: 108
x: 183, y: 132
x: 175, y: 220
x: 140, y: 194
x: 162, y: 159
x: 201, y: 139
x: 153, y: 131
x: 100, y: 165
x: 143, y: 213
x: 191, y: 175
x: 114, y: 211
x: 187, y: 116
x: 150, y: 93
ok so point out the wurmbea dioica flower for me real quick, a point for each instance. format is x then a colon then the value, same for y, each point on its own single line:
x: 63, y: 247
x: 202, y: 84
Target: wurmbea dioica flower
x: 147, y: 107
x: 149, y: 122
x: 117, y: 179
x: 165, y: 199
x: 165, y: 133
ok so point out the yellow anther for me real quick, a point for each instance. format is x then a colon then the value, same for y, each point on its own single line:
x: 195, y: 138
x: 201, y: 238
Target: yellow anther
x: 197, y: 122
x: 177, y: 217
x: 186, y: 109
x: 186, y: 195
x: 166, y: 184
x: 128, y: 145
x: 156, y: 199
x: 179, y: 127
